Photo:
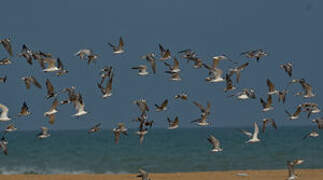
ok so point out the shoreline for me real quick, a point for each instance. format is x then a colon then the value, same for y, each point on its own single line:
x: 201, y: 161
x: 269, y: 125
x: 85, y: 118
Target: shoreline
x: 311, y: 174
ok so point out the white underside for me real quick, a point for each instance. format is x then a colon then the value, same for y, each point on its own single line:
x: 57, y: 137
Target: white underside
x: 173, y: 127
x: 81, y: 113
x: 51, y: 69
x: 141, y: 132
x: 43, y: 136
x: 267, y: 109
x: 175, y: 79
x: 293, y: 117
x: 118, y: 51
x: 253, y: 140
x: 5, y: 119
x: 202, y: 123
x: 217, y: 150
x: 107, y: 95
x: 50, y: 112
x: 143, y: 73
x: 243, y: 96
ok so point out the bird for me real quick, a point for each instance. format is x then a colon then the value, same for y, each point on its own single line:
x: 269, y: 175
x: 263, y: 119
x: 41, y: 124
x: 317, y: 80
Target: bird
x: 253, y: 137
x: 173, y: 124
x: 142, y: 131
x: 142, y: 70
x: 312, y: 134
x: 142, y: 105
x: 319, y: 122
x: 173, y: 68
x: 258, y: 53
x: 7, y: 45
x: 143, y: 175
x: 44, y: 133
x: 24, y: 110
x: 52, y: 109
x: 204, y: 111
x: 271, y: 88
x: 182, y: 96
x: 174, y: 76
x: 4, y: 113
x: 215, y: 76
x: 291, y: 171
x: 267, y: 121
x: 28, y: 80
x: 267, y: 105
x: 118, y: 130
x: 198, y: 63
x: 61, y: 70
x: 307, y: 88
x: 229, y: 84
x: 288, y: 68
x: 237, y: 71
x: 51, y: 64
x: 202, y: 121
x: 27, y: 54
x: 95, y: 128
x: 106, y: 91
x: 5, y: 61
x: 3, y: 145
x: 50, y: 89
x: 310, y: 108
x: 118, y: 49
x: 215, y: 143
x: 51, y: 118
x: 3, y: 79
x: 79, y: 106
x: 245, y: 94
x: 151, y: 59
x: 10, y: 128
x: 164, y: 53
x: 162, y: 107
x: 282, y: 96
x: 83, y: 53
x: 296, y: 113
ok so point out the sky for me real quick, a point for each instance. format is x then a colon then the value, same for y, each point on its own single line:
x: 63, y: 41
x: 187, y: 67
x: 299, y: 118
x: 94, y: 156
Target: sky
x: 290, y: 31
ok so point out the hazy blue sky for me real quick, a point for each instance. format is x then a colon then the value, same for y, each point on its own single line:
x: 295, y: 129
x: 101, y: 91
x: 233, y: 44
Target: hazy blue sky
x: 289, y: 30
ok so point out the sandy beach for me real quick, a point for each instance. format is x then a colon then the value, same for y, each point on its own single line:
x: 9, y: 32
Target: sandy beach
x: 306, y: 174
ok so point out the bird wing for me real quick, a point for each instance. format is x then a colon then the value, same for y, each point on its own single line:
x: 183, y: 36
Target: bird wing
x: 35, y: 82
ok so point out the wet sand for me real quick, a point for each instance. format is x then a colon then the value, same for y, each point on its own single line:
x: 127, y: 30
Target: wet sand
x: 305, y: 174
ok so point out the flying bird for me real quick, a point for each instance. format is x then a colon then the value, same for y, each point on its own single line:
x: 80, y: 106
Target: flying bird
x: 174, y: 76
x: 10, y: 128
x: 162, y: 107
x: 95, y: 128
x: 4, y: 113
x: 271, y: 88
x: 7, y: 45
x: 3, y: 145
x: 44, y: 133
x: 79, y: 106
x: 24, y: 110
x: 296, y: 113
x: 266, y: 122
x: 107, y: 90
x: 143, y: 175
x: 121, y: 129
x: 288, y: 68
x: 173, y: 68
x: 237, y: 71
x: 142, y: 70
x: 28, y: 80
x: 5, y: 61
x: 282, y: 96
x: 164, y: 53
x: 319, y: 122
x: 118, y: 49
x: 27, y: 54
x: 52, y: 109
x: 173, y: 124
x: 215, y: 143
x: 50, y: 89
x: 267, y: 106
x: 291, y: 168
x: 312, y: 134
x: 3, y: 79
x: 229, y: 84
x: 253, y: 137
x: 182, y: 96
x: 151, y: 59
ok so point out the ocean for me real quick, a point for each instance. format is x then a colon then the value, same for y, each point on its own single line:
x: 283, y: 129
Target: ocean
x: 179, y: 150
